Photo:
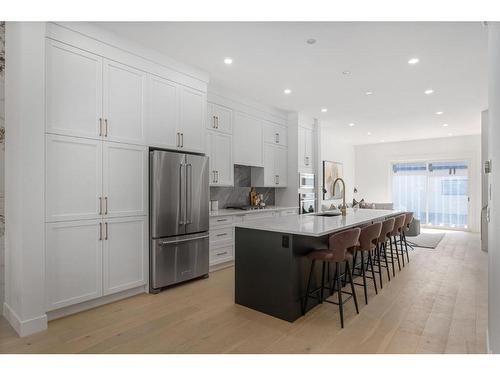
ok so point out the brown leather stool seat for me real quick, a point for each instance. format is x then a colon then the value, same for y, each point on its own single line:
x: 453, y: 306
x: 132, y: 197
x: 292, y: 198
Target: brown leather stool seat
x: 367, y: 244
x: 338, y: 253
x: 399, y: 222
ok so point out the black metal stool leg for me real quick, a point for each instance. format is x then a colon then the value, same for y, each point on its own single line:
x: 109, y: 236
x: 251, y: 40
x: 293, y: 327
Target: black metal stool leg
x: 353, y: 290
x: 322, y: 282
x: 392, y: 258
x: 304, y: 305
x: 402, y: 251
x: 364, y: 276
x: 384, y: 246
x: 406, y: 247
x: 377, y: 254
x: 370, y: 261
x: 339, y: 287
x: 397, y: 251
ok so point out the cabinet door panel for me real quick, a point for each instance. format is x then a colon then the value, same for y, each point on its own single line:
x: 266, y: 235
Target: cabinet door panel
x: 124, y: 254
x: 73, y: 91
x: 73, y: 178
x: 163, y: 113
x: 270, y: 172
x: 223, y: 150
x: 281, y: 165
x: 247, y: 138
x: 220, y: 118
x: 275, y: 134
x: 124, y: 179
x: 192, y: 119
x: 124, y: 101
x: 73, y: 262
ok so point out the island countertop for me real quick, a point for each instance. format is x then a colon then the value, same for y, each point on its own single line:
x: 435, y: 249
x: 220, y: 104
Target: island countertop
x: 317, y: 226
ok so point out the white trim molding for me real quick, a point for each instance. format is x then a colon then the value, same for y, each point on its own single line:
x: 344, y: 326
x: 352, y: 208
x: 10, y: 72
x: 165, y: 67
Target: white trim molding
x: 24, y: 327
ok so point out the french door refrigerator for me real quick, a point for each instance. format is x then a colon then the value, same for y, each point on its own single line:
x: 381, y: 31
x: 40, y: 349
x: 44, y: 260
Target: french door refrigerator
x: 179, y: 196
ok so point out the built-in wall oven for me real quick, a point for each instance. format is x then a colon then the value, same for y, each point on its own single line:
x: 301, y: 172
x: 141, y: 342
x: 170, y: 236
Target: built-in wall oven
x: 306, y: 181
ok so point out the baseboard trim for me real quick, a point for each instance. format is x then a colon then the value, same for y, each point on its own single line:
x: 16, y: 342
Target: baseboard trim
x: 87, y: 305
x: 24, y: 327
x: 221, y: 266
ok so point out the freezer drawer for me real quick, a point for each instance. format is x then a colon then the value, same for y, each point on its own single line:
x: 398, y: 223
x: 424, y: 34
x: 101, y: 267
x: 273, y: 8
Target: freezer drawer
x: 177, y: 259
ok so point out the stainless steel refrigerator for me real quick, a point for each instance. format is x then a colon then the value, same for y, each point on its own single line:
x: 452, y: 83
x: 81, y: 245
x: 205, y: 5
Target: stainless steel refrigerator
x: 179, y: 196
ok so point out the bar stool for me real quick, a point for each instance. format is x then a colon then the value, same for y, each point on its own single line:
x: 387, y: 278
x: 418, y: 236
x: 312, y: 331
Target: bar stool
x: 337, y: 253
x: 367, y: 244
x: 399, y: 222
x: 406, y: 227
x: 385, y: 232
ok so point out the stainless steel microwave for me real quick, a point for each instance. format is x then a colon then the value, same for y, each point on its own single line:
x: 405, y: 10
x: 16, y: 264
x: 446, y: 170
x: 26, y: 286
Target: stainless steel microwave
x: 306, y: 181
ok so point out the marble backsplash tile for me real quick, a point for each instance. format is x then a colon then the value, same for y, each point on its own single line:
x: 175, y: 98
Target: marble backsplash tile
x: 239, y: 195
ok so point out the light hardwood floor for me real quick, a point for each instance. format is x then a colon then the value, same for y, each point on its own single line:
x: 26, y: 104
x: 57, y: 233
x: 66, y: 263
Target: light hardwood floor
x: 436, y: 304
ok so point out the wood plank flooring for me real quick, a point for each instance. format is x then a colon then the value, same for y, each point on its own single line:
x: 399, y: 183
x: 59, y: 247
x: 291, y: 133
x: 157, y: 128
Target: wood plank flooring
x: 436, y: 304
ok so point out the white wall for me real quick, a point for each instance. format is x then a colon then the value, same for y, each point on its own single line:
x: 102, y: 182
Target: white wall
x: 373, y: 173
x: 332, y: 149
x: 24, y: 305
x: 493, y: 238
x: 2, y: 165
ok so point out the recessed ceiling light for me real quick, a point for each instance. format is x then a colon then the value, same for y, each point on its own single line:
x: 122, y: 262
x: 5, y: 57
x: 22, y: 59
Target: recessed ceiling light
x: 428, y: 91
x: 413, y: 61
x: 346, y: 72
x: 445, y: 125
x: 311, y: 41
x: 439, y: 112
x: 287, y: 91
x: 228, y: 61
x: 324, y: 110
x: 369, y: 133
x: 369, y: 93
x: 351, y: 124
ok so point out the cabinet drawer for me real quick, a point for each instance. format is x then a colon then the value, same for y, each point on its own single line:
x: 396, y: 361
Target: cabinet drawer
x: 220, y: 235
x: 221, y: 255
x: 221, y: 221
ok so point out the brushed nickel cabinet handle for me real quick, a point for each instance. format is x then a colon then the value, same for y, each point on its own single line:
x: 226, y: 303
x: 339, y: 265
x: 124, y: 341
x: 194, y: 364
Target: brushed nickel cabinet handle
x: 217, y: 174
x: 106, y: 127
x: 182, y: 139
x: 217, y: 118
x: 106, y: 228
x: 100, y: 127
x: 219, y: 254
x: 100, y: 231
x: 178, y: 140
x: 277, y: 137
x: 222, y: 234
x: 106, y: 205
x: 220, y: 220
x: 214, y: 125
x: 100, y: 205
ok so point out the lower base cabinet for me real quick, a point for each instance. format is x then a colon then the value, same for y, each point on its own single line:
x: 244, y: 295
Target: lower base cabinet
x: 87, y: 259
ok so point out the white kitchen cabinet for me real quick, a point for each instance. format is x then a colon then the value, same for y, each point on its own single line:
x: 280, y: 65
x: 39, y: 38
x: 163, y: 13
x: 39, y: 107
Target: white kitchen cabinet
x: 275, y: 171
x: 125, y: 177
x: 73, y: 178
x: 305, y: 149
x: 275, y: 134
x: 220, y: 151
x: 123, y: 103
x: 73, y: 91
x: 124, y: 253
x: 162, y: 124
x: 248, y: 141
x: 73, y: 252
x: 192, y: 118
x: 220, y: 118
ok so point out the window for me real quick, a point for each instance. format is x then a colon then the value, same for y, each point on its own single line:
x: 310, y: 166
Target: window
x: 437, y: 191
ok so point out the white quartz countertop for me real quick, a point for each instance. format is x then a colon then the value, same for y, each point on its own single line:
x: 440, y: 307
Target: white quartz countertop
x: 316, y: 226
x: 232, y: 211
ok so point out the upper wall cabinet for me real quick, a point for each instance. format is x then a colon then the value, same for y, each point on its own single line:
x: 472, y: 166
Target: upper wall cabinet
x: 73, y: 91
x: 220, y: 151
x: 123, y: 104
x: 305, y: 149
x: 162, y: 129
x: 275, y: 134
x: 247, y: 140
x: 193, y: 104
x: 220, y: 118
x: 275, y: 171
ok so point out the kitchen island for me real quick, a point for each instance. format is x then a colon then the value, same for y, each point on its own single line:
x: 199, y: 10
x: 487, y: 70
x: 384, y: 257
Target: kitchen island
x: 270, y: 264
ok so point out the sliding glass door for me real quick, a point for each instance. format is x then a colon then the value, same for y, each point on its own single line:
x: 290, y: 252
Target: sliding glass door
x: 436, y: 191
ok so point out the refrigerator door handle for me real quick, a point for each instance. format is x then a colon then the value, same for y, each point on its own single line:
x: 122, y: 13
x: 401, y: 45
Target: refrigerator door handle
x: 170, y: 242
x: 182, y: 213
x: 189, y: 194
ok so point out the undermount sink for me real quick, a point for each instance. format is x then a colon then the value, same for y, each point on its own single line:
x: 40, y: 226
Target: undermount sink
x: 327, y: 214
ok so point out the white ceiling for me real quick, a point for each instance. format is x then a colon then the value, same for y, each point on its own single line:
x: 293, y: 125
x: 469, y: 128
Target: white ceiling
x: 269, y: 57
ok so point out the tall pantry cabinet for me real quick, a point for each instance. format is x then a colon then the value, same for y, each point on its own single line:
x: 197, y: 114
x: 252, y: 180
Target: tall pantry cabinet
x: 101, y: 116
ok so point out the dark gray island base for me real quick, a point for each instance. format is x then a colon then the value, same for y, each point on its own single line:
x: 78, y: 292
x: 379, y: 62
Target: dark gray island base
x: 271, y: 268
